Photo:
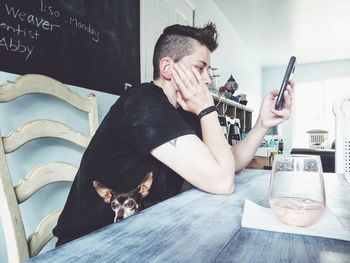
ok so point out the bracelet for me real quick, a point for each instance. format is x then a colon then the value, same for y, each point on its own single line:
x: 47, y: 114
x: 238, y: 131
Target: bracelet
x: 207, y: 111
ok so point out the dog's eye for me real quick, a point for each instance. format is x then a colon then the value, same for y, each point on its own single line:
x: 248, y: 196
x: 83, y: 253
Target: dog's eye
x: 115, y: 205
x: 130, y: 204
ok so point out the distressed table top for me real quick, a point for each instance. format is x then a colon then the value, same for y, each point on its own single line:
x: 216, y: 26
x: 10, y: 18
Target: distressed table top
x: 199, y: 227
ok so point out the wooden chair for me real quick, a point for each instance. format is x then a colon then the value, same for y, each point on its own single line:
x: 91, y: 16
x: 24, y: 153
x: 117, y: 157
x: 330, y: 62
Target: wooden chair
x: 19, y: 247
x: 341, y: 110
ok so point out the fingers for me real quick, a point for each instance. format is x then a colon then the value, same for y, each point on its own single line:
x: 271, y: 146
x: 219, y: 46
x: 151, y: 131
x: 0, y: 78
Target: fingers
x: 285, y: 112
x: 186, y: 76
x: 287, y: 95
x: 180, y: 100
x: 287, y: 99
x: 180, y: 84
x: 188, y: 81
x: 268, y: 111
x: 292, y: 84
x: 198, y: 76
x: 290, y: 89
x: 274, y: 93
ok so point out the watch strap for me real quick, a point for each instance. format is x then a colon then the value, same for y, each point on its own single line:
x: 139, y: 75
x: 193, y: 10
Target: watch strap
x: 207, y: 111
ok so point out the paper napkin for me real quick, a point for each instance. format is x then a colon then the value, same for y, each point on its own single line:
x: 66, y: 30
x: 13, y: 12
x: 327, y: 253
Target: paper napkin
x: 258, y: 217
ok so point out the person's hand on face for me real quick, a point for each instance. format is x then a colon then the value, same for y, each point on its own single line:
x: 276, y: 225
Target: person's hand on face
x: 192, y: 93
x: 271, y: 117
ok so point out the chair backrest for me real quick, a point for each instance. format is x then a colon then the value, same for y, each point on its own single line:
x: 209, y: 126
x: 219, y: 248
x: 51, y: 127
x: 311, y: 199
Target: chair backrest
x: 19, y: 247
x: 341, y: 109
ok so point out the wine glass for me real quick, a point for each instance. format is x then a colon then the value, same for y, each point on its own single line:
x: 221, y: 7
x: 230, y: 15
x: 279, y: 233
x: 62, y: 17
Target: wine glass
x: 297, y: 193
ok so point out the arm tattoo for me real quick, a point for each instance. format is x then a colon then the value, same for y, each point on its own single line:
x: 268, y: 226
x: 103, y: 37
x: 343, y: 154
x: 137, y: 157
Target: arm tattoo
x: 173, y: 142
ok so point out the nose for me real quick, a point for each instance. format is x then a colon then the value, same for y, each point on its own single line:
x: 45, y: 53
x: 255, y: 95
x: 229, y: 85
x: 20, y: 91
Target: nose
x: 120, y: 214
x: 206, y: 78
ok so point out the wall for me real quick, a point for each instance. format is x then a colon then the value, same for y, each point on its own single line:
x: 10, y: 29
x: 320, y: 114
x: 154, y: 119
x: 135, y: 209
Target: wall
x: 272, y: 78
x: 232, y: 56
x: 32, y: 106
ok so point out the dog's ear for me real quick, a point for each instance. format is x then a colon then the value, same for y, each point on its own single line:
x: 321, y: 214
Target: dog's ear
x: 103, y: 191
x: 145, y: 185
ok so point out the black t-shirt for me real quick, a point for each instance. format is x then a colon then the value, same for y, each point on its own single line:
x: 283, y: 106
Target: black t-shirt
x: 118, y: 156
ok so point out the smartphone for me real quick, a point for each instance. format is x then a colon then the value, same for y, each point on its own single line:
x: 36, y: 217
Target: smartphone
x: 287, y: 77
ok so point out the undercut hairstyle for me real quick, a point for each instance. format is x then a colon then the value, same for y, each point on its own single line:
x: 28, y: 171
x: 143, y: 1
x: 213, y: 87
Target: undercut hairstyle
x: 177, y: 41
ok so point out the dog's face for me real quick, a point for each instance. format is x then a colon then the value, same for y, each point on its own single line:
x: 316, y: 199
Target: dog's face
x: 127, y: 203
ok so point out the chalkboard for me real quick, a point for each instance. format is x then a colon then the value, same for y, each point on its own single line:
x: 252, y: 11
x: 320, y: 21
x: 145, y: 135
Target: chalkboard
x: 93, y: 44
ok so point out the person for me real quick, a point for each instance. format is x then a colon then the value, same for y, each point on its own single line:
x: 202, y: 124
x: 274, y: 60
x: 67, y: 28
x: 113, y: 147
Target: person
x: 168, y: 127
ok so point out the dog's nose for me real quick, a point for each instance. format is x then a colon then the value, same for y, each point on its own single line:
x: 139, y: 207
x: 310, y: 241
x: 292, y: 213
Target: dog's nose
x: 120, y: 214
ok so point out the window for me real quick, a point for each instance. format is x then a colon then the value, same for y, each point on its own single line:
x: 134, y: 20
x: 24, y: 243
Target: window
x: 313, y: 102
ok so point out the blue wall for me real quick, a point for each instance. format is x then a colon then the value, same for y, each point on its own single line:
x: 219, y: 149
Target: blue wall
x: 28, y: 107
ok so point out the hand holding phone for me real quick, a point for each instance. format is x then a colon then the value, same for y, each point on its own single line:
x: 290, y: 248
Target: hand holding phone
x: 287, y: 77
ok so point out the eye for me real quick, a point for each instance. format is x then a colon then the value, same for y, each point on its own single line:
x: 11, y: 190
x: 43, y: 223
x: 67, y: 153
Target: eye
x: 115, y: 205
x: 130, y: 204
x: 200, y: 69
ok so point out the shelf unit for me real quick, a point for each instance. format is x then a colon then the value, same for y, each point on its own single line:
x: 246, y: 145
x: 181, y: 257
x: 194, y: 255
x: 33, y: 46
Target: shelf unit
x: 234, y: 110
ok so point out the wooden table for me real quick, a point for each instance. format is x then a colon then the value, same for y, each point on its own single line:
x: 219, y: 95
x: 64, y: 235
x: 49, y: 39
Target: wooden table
x: 199, y: 227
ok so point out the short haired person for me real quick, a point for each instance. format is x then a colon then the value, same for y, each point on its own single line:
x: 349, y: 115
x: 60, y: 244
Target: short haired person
x: 145, y: 132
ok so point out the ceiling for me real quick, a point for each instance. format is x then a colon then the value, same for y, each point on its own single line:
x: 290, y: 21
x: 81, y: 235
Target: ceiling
x: 312, y: 30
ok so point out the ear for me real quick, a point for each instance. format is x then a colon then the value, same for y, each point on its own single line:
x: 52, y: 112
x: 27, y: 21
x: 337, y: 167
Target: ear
x: 165, y: 67
x: 103, y: 191
x: 145, y: 185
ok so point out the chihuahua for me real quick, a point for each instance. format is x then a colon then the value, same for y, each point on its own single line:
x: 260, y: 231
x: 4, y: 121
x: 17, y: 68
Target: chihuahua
x: 125, y: 204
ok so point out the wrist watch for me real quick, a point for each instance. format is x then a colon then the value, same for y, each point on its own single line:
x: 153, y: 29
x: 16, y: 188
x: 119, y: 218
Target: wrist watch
x: 207, y: 111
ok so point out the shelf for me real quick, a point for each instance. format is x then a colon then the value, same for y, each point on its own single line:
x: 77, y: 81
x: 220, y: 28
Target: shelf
x: 229, y: 102
x: 234, y: 109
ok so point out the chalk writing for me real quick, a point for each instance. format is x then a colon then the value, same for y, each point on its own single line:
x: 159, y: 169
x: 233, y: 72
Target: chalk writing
x: 78, y: 42
x: 30, y: 18
x: 19, y: 31
x: 78, y: 24
x: 15, y: 45
x: 49, y: 9
x: 25, y: 28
